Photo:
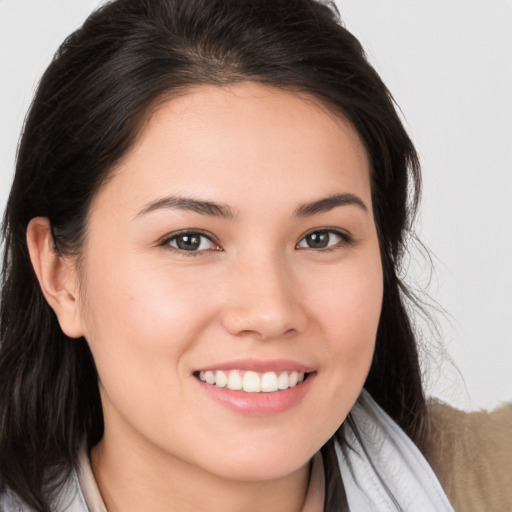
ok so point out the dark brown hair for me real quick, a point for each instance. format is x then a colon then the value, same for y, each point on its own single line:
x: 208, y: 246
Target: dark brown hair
x: 88, y: 109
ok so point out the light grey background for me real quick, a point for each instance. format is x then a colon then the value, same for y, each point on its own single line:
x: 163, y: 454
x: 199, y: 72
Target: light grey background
x: 448, y: 64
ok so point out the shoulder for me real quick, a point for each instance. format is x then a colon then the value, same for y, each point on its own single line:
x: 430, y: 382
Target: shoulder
x: 471, y: 454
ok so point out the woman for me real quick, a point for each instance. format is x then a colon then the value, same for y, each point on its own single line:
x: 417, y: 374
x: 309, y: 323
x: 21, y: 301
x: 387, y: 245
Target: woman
x: 200, y: 302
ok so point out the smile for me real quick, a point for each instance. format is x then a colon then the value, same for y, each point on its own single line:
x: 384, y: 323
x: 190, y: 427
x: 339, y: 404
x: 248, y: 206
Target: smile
x: 253, y: 382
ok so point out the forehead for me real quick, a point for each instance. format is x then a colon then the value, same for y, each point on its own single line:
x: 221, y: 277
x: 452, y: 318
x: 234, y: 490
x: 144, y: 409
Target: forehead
x: 232, y: 141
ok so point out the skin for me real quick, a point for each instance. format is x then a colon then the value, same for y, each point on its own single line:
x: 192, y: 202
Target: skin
x: 153, y: 314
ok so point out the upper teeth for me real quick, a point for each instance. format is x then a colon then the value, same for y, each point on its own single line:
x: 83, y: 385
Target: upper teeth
x: 252, y: 382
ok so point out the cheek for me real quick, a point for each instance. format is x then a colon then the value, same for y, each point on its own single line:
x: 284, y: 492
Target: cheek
x: 141, y: 318
x: 349, y: 304
x: 348, y: 310
x: 141, y: 326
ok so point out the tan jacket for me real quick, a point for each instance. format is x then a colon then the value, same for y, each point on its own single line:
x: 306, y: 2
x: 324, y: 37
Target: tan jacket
x: 471, y: 454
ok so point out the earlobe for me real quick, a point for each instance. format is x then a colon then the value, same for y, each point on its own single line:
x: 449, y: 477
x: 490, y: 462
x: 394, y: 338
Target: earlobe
x: 57, y: 277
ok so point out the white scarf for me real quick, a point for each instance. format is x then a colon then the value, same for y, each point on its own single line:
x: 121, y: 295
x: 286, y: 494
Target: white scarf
x: 383, y: 456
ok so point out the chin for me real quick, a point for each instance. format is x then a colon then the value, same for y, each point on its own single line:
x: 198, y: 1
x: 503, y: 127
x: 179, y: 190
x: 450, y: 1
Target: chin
x: 261, y: 468
x: 259, y: 461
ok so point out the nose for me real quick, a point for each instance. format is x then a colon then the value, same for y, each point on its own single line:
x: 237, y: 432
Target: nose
x: 263, y: 302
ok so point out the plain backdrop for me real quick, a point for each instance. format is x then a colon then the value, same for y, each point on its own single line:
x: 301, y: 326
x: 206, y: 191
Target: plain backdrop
x: 448, y: 63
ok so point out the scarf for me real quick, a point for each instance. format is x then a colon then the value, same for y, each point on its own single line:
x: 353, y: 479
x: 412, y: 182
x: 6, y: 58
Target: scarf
x: 382, y: 469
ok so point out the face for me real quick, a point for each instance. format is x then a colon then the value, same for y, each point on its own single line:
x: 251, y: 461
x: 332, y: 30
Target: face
x: 234, y: 247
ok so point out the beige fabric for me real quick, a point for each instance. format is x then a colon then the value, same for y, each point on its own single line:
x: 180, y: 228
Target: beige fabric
x: 471, y: 454
x: 314, y: 498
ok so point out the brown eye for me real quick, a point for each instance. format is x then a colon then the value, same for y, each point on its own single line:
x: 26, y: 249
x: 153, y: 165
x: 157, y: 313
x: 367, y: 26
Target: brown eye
x: 322, y: 239
x: 191, y: 242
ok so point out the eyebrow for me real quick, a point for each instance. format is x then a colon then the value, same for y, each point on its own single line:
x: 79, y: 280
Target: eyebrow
x: 221, y: 210
x: 189, y: 204
x: 328, y: 203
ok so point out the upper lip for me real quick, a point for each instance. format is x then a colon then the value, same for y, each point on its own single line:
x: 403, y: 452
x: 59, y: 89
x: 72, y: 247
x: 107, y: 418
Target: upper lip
x: 259, y: 365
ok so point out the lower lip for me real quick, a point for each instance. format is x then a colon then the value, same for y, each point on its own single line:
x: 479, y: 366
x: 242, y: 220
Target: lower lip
x: 259, y: 404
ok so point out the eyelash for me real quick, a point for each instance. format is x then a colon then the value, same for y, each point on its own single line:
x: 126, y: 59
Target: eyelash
x: 345, y: 240
x: 166, y: 242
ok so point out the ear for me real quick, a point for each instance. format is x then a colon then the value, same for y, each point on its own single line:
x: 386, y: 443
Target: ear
x: 57, y: 277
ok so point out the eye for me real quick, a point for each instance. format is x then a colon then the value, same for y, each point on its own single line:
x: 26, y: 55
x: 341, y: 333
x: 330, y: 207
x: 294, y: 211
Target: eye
x: 190, y: 241
x: 323, y: 239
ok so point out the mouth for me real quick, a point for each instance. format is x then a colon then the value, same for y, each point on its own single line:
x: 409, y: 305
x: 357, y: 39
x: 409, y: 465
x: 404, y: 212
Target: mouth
x: 253, y: 387
x: 252, y: 382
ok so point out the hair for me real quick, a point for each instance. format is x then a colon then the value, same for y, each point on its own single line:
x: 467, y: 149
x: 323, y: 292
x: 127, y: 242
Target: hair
x: 102, y: 84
